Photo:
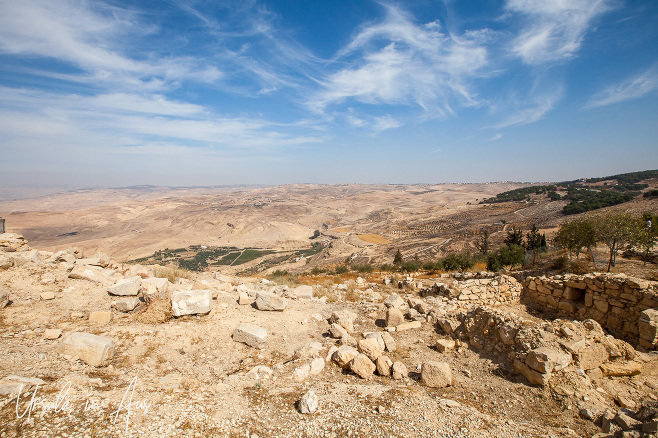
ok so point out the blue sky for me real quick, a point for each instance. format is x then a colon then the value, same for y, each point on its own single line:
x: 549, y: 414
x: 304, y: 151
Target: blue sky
x: 184, y: 92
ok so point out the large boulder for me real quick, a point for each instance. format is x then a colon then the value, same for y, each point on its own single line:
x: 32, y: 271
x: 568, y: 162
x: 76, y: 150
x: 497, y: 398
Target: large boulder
x: 344, y: 318
x: 362, y: 366
x: 191, y: 302
x: 371, y: 348
x: 394, y: 317
x: 91, y: 273
x: 96, y: 351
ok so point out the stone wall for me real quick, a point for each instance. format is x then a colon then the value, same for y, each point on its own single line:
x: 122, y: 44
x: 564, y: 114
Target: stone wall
x: 625, y: 306
x: 481, y: 291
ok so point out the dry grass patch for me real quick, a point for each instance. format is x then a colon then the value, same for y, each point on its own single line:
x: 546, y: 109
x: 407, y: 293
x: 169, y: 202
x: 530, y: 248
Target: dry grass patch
x: 172, y: 273
x: 373, y: 238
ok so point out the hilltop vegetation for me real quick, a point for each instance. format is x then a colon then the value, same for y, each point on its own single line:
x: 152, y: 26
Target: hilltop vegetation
x: 584, y: 195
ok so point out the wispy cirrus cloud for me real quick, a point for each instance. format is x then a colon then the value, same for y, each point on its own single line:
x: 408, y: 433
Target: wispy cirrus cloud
x: 631, y: 88
x: 553, y: 30
x: 533, y: 109
x: 399, y: 62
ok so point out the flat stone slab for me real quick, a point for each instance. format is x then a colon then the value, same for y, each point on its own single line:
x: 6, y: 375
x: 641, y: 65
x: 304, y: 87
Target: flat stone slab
x: 269, y: 301
x: 12, y: 384
x: 126, y: 287
x: 250, y: 334
x: 191, y: 302
x: 94, y: 350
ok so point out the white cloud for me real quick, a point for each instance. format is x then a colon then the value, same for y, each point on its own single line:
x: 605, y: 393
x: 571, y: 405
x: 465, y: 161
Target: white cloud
x: 94, y: 38
x: 553, y: 30
x: 384, y: 123
x: 631, y: 88
x: 397, y: 62
x: 538, y: 106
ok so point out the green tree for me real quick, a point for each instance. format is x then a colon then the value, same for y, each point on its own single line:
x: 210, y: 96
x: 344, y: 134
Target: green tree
x: 616, y: 229
x: 514, y: 237
x: 483, y: 244
x: 575, y: 236
x: 533, y: 239
x: 397, y: 260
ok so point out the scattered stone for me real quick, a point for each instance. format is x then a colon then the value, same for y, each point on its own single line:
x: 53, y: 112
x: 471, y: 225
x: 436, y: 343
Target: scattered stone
x: 625, y: 421
x: 12, y: 384
x: 436, y: 374
x: 161, y: 284
x: 4, y: 299
x: 533, y: 376
x: 301, y: 373
x: 270, y: 302
x: 191, y: 302
x: 589, y: 414
x: 126, y: 287
x: 91, y: 273
x: 394, y: 301
x: 371, y: 348
x: 546, y: 360
x: 95, y: 351
x: 6, y: 262
x: 389, y: 342
x: 409, y: 326
x: 362, y: 366
x: 47, y: 296
x: 394, y: 317
x: 344, y: 318
x: 384, y: 366
x: 312, y: 349
x: 317, y: 365
x: 52, y: 333
x: 399, y: 371
x: 337, y: 331
x: 126, y: 304
x: 244, y: 299
x: 344, y: 355
x: 308, y: 404
x: 445, y: 345
x: 100, y: 317
x: 250, y: 334
x: 619, y: 370
x: 259, y: 372
x: 47, y: 278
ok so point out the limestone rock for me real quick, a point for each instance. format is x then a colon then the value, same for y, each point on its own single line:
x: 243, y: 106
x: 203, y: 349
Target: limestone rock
x: 96, y: 351
x: 161, y: 284
x: 91, y: 273
x: 269, y: 301
x: 647, y: 325
x: 444, y: 345
x: 337, y: 331
x: 409, y: 326
x: 371, y: 348
x: 45, y: 296
x: 394, y: 301
x: 259, y: 372
x: 317, y: 365
x: 534, y: 377
x: 12, y: 384
x: 100, y: 317
x: 244, y: 299
x: 384, y: 366
x: 126, y: 304
x: 250, y: 334
x: 344, y: 318
x: 394, y: 317
x: 6, y: 262
x: 399, y: 371
x: 126, y: 287
x: 312, y: 349
x: 308, y: 404
x: 344, y: 355
x: 619, y: 370
x: 4, y: 299
x: 52, y: 334
x: 389, y: 342
x: 546, y: 360
x: 191, y: 302
x: 436, y: 374
x: 301, y: 373
x: 362, y: 366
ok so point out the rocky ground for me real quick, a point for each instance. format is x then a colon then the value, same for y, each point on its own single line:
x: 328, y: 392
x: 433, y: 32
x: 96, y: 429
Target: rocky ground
x: 367, y: 358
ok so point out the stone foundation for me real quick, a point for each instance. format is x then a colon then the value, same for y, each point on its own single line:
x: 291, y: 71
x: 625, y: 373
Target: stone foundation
x: 625, y: 306
x: 481, y: 291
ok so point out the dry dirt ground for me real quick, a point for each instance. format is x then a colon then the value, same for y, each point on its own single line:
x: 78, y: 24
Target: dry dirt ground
x: 187, y: 377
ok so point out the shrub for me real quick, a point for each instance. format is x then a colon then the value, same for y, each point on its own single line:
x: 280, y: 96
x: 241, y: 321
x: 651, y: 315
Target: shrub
x: 171, y: 273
